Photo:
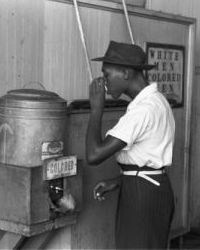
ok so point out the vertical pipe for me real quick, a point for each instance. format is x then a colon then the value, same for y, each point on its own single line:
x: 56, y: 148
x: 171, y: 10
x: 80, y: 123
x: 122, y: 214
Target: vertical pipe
x: 83, y: 39
x: 128, y: 21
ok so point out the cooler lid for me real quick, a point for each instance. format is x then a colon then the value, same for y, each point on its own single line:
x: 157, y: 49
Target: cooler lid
x: 32, y: 98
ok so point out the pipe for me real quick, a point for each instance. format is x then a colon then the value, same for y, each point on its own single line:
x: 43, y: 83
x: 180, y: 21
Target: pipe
x: 128, y: 21
x: 83, y: 39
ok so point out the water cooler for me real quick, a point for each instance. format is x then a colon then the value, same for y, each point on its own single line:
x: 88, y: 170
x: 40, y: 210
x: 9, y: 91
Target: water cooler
x: 40, y: 185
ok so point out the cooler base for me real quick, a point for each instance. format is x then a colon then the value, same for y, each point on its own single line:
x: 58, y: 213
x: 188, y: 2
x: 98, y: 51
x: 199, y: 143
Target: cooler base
x: 38, y: 228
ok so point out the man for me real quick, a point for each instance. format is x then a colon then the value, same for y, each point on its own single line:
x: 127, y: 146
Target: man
x: 142, y: 141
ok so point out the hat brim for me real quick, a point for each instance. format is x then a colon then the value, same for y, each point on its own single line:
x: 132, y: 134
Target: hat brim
x: 139, y: 67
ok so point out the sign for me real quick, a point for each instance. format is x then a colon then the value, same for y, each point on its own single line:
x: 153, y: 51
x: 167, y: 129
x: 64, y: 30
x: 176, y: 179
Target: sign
x: 168, y: 71
x: 59, y: 167
x: 52, y: 149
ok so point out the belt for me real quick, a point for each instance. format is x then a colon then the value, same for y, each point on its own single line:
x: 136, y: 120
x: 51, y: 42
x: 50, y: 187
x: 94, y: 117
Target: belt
x: 144, y: 174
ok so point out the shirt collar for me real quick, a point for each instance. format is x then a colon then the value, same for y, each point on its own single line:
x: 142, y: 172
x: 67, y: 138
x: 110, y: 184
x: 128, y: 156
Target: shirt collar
x: 148, y: 90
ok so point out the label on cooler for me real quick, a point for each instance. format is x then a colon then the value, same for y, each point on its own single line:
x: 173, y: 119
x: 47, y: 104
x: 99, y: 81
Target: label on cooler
x: 59, y: 167
x: 52, y: 149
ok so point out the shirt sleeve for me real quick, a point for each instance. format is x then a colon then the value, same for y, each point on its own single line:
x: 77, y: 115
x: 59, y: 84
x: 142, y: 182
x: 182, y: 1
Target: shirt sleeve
x: 131, y: 126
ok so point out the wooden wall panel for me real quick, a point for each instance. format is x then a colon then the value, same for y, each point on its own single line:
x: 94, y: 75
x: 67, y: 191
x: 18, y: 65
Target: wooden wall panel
x: 180, y: 7
x: 21, y: 31
x: 65, y: 70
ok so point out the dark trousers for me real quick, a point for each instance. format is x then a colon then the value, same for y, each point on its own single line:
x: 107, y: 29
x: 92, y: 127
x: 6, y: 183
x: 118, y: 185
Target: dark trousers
x: 144, y: 213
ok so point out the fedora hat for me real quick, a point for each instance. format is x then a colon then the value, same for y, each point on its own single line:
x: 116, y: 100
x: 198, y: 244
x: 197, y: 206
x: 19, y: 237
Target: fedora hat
x: 125, y: 54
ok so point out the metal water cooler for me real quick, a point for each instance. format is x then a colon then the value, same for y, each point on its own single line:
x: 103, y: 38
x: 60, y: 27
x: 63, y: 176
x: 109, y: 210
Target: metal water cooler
x: 40, y: 185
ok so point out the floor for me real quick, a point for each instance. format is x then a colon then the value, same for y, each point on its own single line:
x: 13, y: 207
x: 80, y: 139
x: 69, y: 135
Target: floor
x: 190, y: 240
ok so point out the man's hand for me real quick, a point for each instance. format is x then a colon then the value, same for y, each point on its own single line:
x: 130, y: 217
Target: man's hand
x: 103, y: 187
x: 99, y: 191
x: 97, y: 94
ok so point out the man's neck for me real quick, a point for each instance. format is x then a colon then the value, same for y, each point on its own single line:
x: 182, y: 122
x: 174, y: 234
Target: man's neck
x: 135, y: 87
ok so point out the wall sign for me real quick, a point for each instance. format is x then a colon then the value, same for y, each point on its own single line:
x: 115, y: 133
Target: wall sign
x: 169, y: 70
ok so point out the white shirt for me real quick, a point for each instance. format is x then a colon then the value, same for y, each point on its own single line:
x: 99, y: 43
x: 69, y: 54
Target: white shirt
x: 148, y: 128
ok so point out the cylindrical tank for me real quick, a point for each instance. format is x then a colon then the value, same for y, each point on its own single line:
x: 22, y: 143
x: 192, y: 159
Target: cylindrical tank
x: 32, y: 126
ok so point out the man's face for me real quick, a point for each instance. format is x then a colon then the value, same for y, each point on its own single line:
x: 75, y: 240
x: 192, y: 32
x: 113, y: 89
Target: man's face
x: 114, y: 80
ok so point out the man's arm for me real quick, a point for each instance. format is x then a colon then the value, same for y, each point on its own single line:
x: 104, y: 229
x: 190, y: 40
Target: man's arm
x: 97, y: 149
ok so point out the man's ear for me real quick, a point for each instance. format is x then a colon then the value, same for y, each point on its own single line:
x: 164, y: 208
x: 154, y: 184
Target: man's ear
x: 126, y: 74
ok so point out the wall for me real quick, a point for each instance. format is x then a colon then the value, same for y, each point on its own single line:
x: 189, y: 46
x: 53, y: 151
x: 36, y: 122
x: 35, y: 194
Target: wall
x: 190, y: 9
x: 21, y: 32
